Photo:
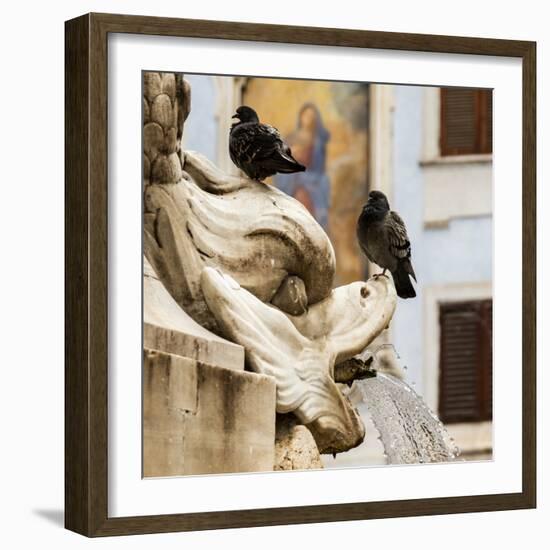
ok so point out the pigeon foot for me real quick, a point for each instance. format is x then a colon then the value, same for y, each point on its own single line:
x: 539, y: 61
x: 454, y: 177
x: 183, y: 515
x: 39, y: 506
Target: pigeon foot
x: 383, y: 274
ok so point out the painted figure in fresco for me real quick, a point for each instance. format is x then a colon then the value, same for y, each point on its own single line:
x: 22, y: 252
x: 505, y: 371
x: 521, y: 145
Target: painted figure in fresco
x: 309, y: 143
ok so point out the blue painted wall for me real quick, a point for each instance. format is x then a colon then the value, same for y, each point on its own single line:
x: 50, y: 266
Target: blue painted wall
x: 458, y: 253
x: 201, y: 127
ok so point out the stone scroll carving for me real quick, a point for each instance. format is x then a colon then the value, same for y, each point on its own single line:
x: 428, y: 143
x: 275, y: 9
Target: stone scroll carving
x: 251, y: 264
x: 255, y: 233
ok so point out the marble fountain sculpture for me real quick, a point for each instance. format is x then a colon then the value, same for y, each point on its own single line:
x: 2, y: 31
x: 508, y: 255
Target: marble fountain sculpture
x: 250, y: 265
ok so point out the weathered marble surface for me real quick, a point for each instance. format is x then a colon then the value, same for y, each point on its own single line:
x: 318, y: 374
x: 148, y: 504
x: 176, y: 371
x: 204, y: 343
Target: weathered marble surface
x: 295, y: 448
x: 300, y: 352
x: 251, y: 231
x: 166, y: 105
x: 201, y: 419
x: 168, y: 328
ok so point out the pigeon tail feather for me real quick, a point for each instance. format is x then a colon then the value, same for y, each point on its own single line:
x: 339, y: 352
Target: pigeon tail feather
x: 409, y: 269
x: 287, y: 166
x: 402, y: 282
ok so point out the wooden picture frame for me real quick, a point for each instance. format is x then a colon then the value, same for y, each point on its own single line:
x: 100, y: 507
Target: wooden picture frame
x: 86, y: 282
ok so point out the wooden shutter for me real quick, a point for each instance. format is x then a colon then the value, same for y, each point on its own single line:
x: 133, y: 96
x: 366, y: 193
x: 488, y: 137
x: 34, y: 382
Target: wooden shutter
x: 486, y: 378
x: 466, y: 122
x: 465, y: 385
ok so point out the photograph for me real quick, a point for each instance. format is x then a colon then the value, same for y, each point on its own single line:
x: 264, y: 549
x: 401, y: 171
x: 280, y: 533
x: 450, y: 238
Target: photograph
x: 317, y: 274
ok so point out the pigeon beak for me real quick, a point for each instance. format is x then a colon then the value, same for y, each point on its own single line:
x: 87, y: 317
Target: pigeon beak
x: 235, y: 116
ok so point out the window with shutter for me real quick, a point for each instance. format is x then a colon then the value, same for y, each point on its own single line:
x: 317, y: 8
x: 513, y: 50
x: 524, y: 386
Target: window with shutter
x: 466, y: 361
x: 466, y: 121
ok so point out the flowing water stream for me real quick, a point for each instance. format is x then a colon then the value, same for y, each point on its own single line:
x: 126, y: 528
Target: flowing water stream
x: 409, y: 431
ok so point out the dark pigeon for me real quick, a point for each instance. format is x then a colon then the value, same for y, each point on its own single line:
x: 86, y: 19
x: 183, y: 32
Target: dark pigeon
x: 257, y: 149
x: 383, y: 238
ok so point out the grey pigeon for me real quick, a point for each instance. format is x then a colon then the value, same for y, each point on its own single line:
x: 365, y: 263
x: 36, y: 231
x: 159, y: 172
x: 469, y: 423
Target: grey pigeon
x: 383, y: 238
x: 257, y: 149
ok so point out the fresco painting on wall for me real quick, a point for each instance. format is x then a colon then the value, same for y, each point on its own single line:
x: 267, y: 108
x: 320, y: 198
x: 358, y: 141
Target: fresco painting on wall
x: 308, y: 143
x: 326, y: 126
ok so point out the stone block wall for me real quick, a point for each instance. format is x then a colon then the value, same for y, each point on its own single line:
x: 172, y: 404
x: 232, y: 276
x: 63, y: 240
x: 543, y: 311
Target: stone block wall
x: 202, y: 412
x: 202, y: 419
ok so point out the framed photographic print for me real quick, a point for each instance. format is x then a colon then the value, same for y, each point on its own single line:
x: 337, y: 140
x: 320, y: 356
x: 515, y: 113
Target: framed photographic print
x: 300, y: 275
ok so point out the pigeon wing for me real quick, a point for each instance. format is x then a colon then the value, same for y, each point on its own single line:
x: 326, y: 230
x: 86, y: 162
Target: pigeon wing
x: 259, y: 150
x: 255, y: 142
x: 266, y: 141
x: 399, y: 244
